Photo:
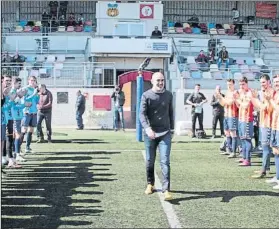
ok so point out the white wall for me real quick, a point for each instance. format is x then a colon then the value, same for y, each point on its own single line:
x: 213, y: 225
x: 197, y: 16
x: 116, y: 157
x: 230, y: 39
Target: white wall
x: 183, y: 113
x: 132, y: 63
x: 64, y: 114
x: 118, y: 45
x: 127, y: 12
x: 61, y: 43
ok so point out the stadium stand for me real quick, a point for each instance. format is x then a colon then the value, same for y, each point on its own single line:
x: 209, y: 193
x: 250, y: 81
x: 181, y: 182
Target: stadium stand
x: 78, y: 18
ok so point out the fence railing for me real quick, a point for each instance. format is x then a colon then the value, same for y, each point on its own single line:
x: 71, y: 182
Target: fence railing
x: 85, y: 74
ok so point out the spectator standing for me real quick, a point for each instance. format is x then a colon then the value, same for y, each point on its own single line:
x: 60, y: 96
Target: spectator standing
x: 45, y: 22
x: 218, y: 112
x: 194, y: 21
x: 118, y: 97
x: 196, y: 99
x: 156, y: 117
x: 239, y: 29
x: 44, y: 113
x: 235, y: 16
x: 156, y: 33
x: 273, y: 26
x: 80, y: 20
x: 71, y: 20
x: 80, y: 108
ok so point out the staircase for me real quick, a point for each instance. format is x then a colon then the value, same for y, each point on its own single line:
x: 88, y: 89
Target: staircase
x: 270, y: 49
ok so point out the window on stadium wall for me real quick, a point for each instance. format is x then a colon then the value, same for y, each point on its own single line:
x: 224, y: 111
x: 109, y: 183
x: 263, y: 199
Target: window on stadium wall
x: 62, y: 98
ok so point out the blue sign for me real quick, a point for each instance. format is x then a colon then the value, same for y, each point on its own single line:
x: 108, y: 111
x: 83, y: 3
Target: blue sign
x: 160, y: 46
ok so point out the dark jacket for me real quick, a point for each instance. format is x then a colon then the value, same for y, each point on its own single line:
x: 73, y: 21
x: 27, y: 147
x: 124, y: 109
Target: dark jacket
x: 45, y: 101
x: 217, y: 107
x: 223, y: 54
x: 80, y: 103
x: 118, y: 97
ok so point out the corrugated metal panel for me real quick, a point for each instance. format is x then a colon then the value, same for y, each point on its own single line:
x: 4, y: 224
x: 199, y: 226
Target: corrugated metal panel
x: 8, y: 11
x: 207, y: 11
x: 249, y: 9
x: 211, y: 11
x: 87, y: 8
x: 32, y: 10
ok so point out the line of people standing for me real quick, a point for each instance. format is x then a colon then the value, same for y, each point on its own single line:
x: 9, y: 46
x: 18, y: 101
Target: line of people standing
x: 22, y: 110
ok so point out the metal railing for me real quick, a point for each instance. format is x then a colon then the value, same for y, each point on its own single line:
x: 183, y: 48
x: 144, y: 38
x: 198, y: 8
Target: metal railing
x: 210, y: 72
x: 83, y: 74
x: 10, y: 29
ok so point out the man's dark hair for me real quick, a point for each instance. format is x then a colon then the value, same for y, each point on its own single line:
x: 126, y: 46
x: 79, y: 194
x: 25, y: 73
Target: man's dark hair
x: 197, y: 84
x: 265, y: 76
x: 7, y: 76
x: 15, y: 80
x: 243, y: 79
x: 230, y: 80
x: 276, y: 76
x: 43, y: 85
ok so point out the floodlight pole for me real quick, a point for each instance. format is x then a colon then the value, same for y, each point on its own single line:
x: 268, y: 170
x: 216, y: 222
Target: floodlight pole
x: 140, y: 86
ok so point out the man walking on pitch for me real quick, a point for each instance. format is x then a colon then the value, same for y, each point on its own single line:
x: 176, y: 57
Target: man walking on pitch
x: 156, y: 116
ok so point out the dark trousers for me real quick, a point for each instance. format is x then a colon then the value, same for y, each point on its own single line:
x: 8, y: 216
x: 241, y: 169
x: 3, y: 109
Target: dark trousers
x: 164, y: 145
x: 274, y: 30
x: 45, y: 115
x: 200, y: 119
x: 218, y: 117
x: 79, y: 119
x: 256, y: 135
x: 8, y: 144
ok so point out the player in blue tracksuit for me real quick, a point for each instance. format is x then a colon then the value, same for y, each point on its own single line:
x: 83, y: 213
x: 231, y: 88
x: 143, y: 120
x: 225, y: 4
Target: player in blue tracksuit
x: 6, y: 87
x: 29, y: 120
x: 3, y: 126
x: 17, y: 115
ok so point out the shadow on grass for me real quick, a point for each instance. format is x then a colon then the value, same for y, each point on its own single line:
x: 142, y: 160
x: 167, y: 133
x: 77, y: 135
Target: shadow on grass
x: 80, y: 141
x: 54, y: 197
x: 226, y: 196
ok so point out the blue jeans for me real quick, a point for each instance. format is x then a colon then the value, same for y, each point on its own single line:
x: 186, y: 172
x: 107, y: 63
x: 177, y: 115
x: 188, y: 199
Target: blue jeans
x: 118, y: 112
x: 265, y: 139
x: 79, y: 119
x: 225, y: 61
x: 276, y: 159
x: 164, y: 144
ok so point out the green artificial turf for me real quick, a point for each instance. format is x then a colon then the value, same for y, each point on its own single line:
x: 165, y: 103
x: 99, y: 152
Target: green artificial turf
x: 96, y: 179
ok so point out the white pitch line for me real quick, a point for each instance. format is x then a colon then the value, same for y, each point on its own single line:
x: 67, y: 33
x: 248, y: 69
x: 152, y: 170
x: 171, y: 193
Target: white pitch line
x: 112, y: 150
x: 167, y: 207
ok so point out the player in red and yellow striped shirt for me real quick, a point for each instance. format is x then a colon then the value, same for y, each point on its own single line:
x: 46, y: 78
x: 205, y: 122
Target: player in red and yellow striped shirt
x: 231, y: 117
x: 260, y: 102
x: 245, y: 127
x: 274, y: 100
